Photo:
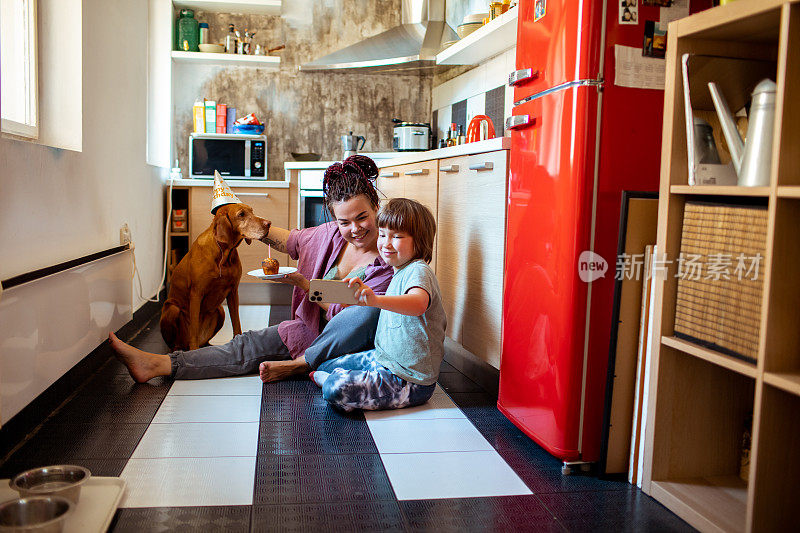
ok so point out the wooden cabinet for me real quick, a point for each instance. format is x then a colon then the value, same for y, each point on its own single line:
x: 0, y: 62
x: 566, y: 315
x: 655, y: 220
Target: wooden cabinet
x: 415, y: 180
x: 471, y: 251
x: 271, y: 203
x: 700, y: 398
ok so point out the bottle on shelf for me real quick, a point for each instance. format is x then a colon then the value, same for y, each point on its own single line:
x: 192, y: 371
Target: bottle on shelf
x: 188, y: 31
x: 462, y: 139
x: 230, y: 40
x: 204, y: 33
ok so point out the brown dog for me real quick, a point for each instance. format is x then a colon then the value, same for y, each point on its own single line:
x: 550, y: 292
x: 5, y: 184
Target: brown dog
x: 206, y: 276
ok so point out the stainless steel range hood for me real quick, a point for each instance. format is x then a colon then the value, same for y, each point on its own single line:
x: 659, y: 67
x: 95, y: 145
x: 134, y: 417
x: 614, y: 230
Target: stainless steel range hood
x: 410, y: 47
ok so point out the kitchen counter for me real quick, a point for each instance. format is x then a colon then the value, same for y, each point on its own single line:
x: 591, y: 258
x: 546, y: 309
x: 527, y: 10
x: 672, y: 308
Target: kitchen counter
x: 402, y: 158
x: 202, y: 182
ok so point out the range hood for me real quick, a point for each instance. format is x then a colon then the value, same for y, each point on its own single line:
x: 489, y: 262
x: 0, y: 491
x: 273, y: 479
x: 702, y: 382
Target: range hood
x: 408, y: 48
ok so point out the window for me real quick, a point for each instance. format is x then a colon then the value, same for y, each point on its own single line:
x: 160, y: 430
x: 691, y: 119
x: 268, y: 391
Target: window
x: 18, y: 68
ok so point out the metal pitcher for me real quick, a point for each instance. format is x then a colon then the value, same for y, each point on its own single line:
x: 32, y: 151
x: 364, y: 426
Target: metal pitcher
x: 751, y: 159
x: 350, y: 144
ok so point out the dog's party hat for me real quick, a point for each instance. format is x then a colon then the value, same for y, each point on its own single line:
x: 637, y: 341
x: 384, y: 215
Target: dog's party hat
x: 222, y: 194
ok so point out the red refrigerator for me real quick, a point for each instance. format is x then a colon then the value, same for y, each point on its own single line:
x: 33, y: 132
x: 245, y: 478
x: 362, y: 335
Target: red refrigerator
x: 577, y: 141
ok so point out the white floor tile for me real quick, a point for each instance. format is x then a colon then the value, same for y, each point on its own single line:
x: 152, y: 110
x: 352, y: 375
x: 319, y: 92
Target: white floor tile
x: 439, y: 406
x: 236, y: 386
x: 440, y: 435
x: 189, y: 482
x: 206, y: 439
x: 417, y: 476
x: 178, y: 409
x: 250, y: 316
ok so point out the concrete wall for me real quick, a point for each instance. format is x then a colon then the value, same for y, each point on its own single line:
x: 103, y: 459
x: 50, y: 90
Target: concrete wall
x: 305, y: 112
x: 58, y: 204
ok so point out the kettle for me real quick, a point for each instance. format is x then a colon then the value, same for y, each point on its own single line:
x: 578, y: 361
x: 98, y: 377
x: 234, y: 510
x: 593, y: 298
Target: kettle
x: 480, y: 128
x: 751, y: 159
x: 350, y: 144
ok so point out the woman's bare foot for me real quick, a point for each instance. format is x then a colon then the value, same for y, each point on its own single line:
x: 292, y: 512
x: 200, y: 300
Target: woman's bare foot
x: 142, y: 366
x: 271, y: 371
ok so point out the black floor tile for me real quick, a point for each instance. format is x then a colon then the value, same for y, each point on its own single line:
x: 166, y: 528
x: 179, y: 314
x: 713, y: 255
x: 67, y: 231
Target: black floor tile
x: 98, y: 467
x: 108, y: 409
x: 446, y: 367
x: 342, y: 517
x: 506, y: 513
x: 542, y: 480
x: 232, y: 519
x: 68, y: 443
x: 457, y: 382
x: 122, y: 385
x: 284, y: 479
x: 629, y: 510
x: 315, y: 437
x: 301, y: 407
x: 279, y: 313
x: 291, y: 387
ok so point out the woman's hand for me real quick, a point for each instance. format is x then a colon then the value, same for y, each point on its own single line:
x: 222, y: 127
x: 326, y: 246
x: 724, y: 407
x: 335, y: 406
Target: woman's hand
x: 296, y: 279
x: 364, y: 295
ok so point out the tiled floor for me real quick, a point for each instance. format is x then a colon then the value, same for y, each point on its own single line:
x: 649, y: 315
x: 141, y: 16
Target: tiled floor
x: 235, y: 455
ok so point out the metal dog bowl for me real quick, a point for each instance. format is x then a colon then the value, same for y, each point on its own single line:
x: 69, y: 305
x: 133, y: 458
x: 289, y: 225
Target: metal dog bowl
x: 58, y: 480
x: 36, y: 514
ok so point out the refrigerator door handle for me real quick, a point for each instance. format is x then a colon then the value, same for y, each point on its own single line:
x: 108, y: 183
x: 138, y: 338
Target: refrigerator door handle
x: 521, y: 75
x: 515, y: 122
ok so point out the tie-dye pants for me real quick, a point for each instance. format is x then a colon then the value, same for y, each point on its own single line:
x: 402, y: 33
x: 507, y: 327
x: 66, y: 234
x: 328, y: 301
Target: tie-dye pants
x: 358, y: 381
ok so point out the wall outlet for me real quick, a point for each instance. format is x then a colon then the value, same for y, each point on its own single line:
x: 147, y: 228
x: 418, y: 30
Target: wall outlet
x: 124, y: 235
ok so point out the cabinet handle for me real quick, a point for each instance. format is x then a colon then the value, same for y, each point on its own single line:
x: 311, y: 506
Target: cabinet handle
x: 388, y: 175
x: 259, y: 194
x: 488, y: 165
x: 519, y: 121
x: 449, y: 168
x: 417, y: 172
x: 524, y: 74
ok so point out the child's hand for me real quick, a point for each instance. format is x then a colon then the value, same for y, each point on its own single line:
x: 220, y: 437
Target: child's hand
x: 364, y: 295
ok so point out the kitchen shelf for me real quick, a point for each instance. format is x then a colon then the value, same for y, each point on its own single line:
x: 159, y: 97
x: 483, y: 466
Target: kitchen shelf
x: 720, y: 190
x: 245, y: 7
x: 711, y: 503
x: 496, y: 36
x: 712, y: 356
x: 786, y: 381
x: 788, y: 191
x: 202, y: 58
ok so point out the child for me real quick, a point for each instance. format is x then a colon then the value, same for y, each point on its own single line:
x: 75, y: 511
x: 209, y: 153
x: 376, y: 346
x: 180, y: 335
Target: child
x: 402, y: 369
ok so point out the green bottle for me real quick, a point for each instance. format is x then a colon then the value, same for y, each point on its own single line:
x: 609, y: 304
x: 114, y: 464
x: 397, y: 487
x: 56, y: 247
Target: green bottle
x: 188, y: 31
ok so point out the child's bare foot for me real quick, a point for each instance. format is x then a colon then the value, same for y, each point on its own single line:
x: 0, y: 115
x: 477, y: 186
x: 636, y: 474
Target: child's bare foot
x: 270, y: 371
x: 142, y: 366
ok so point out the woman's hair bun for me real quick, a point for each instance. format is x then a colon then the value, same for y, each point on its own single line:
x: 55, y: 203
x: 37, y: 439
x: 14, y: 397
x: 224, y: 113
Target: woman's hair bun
x: 363, y: 165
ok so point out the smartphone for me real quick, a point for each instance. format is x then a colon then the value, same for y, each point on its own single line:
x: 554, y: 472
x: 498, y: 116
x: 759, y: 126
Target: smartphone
x: 331, y: 291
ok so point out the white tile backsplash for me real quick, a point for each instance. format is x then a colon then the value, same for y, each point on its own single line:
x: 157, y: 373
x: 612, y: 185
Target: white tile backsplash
x: 476, y: 105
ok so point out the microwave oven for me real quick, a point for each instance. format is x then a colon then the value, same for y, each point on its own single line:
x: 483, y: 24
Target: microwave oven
x: 232, y: 155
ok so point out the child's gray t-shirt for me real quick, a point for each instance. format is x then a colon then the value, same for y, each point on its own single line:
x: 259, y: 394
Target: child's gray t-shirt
x: 412, y: 347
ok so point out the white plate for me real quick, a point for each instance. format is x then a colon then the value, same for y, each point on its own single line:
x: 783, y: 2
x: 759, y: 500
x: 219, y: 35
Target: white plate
x: 282, y: 271
x: 99, y: 499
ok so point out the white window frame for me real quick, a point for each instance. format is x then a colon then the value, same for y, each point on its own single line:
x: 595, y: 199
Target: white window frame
x: 30, y: 128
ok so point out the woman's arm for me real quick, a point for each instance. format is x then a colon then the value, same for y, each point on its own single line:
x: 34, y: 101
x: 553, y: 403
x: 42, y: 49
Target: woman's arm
x: 277, y: 237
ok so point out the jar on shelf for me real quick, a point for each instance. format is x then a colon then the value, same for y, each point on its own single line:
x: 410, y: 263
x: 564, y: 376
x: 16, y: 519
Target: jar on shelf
x: 204, y: 33
x: 188, y: 31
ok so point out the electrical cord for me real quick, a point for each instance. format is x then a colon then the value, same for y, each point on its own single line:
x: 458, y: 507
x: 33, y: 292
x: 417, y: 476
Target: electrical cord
x: 166, y: 251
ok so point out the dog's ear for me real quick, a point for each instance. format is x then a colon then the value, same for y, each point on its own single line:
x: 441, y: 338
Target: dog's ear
x: 223, y: 229
x: 248, y: 241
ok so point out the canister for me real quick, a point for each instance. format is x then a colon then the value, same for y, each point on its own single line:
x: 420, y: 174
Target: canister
x: 495, y: 9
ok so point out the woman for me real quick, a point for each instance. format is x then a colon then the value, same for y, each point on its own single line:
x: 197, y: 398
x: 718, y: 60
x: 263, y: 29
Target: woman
x: 343, y: 248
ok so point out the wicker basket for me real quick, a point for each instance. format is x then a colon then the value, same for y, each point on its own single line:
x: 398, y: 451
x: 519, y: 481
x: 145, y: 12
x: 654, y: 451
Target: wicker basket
x: 719, y: 305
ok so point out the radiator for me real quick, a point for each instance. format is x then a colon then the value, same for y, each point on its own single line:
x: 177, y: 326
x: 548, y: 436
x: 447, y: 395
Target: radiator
x: 53, y: 318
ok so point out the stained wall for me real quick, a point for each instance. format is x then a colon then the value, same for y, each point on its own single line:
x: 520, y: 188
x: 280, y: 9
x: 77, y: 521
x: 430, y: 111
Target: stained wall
x: 303, y: 111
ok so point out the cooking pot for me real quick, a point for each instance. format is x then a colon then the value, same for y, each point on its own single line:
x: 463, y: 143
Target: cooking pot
x: 411, y: 136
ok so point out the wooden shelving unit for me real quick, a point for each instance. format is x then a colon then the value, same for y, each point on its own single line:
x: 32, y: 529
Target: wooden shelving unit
x: 701, y: 399
x: 496, y: 36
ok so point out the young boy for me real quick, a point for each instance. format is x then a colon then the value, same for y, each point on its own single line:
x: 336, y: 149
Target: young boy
x: 402, y: 369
